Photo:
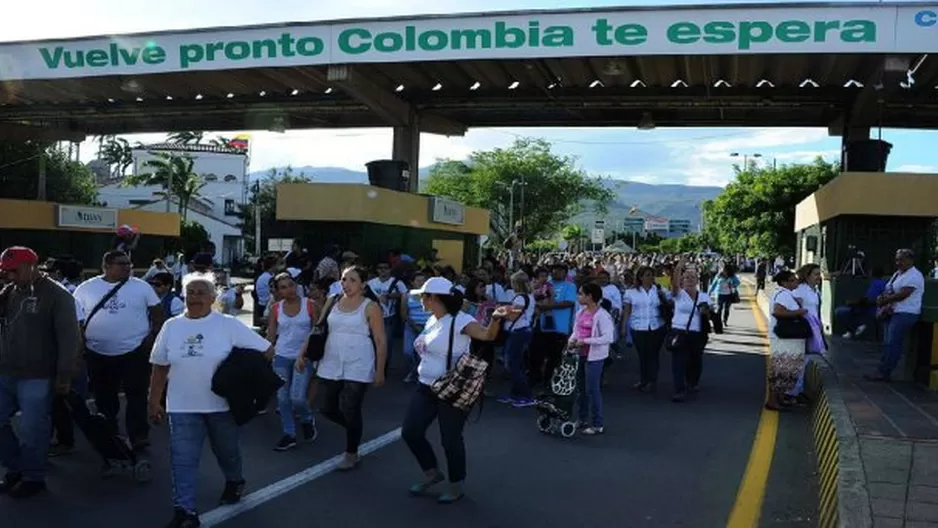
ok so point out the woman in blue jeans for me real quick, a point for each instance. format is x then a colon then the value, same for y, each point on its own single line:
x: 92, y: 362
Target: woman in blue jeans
x: 289, y: 324
x: 520, y: 332
x: 594, y: 331
x: 191, y: 348
x: 415, y: 318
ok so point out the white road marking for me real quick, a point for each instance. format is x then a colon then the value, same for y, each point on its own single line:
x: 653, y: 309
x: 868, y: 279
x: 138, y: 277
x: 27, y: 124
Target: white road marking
x: 259, y: 497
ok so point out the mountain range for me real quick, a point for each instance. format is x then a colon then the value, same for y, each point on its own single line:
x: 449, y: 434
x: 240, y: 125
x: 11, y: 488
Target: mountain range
x: 668, y: 201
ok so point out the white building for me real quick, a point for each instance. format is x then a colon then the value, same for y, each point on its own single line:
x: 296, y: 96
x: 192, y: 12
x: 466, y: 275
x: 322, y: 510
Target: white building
x: 224, y: 170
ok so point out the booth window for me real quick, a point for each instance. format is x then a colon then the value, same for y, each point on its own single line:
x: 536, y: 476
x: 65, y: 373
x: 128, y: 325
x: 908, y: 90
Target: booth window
x: 230, y: 207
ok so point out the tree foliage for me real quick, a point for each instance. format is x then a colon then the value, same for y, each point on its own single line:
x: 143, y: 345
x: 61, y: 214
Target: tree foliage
x: 117, y: 153
x: 689, y: 243
x: 174, y: 174
x: 554, y: 188
x: 264, y: 194
x: 67, y: 181
x: 755, y: 214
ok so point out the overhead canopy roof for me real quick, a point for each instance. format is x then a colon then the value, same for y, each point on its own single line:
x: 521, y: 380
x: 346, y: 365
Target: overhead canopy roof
x: 785, y: 65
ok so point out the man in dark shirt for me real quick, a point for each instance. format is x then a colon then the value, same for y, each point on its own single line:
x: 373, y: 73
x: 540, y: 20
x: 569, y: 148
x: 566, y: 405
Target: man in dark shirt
x: 39, y: 342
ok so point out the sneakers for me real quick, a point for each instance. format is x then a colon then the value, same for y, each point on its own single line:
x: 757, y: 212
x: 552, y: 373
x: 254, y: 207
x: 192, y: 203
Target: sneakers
x: 9, y: 482
x: 232, y: 493
x: 861, y: 329
x: 25, y: 489
x: 286, y: 443
x: 592, y: 431
x: 505, y: 399
x: 520, y: 403
x: 309, y: 431
x: 184, y: 519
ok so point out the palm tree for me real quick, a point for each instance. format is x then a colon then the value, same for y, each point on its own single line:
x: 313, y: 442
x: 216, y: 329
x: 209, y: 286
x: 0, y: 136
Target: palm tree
x: 573, y: 234
x: 188, y: 137
x: 220, y: 141
x: 117, y: 153
x: 175, y: 174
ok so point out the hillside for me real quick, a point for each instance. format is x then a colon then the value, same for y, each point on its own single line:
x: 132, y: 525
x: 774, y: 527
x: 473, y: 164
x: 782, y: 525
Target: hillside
x: 670, y: 201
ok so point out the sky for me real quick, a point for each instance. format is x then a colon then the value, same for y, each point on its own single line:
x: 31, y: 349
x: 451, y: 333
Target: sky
x: 699, y: 156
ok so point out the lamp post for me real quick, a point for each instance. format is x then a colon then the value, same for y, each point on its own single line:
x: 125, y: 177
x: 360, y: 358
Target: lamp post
x: 746, y: 157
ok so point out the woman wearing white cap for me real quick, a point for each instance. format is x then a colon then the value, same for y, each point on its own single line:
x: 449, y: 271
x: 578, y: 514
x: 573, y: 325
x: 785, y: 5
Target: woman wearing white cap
x: 447, y: 326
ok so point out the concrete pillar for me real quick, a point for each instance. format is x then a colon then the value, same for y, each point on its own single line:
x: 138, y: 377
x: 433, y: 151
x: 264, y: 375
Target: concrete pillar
x: 407, y: 148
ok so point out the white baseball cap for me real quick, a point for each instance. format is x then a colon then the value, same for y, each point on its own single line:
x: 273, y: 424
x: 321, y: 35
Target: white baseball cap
x: 435, y: 286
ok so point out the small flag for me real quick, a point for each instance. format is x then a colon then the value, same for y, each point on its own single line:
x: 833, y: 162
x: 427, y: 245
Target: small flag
x: 240, y: 142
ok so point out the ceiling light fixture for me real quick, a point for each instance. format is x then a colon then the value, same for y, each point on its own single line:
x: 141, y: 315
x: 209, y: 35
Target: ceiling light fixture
x: 437, y: 87
x: 475, y: 86
x: 328, y: 90
x: 400, y: 88
x: 294, y: 92
x: 513, y: 85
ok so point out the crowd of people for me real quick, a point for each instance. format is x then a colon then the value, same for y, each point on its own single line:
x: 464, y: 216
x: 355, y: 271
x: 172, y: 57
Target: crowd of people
x: 327, y: 330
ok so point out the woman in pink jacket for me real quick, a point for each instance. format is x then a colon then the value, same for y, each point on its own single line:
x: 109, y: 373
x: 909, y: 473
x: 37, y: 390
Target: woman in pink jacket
x: 593, y: 332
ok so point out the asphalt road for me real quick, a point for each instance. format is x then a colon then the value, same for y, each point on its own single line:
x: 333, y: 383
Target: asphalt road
x: 659, y: 464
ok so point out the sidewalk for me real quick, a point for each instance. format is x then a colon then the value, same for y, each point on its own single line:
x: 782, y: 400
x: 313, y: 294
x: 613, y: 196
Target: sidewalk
x: 889, y: 441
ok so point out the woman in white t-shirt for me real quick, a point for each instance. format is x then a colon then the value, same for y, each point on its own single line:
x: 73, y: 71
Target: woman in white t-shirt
x: 691, y: 309
x: 808, y: 296
x: 187, y: 352
x: 786, y: 360
x: 444, y: 302
x: 520, y: 332
x: 290, y: 323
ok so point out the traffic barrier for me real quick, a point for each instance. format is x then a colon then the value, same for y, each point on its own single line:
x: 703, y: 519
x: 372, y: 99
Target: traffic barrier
x: 827, y: 447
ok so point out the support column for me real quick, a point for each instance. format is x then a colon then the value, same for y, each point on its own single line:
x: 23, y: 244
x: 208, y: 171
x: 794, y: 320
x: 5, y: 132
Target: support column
x: 406, y: 147
x: 849, y: 134
x: 41, y: 182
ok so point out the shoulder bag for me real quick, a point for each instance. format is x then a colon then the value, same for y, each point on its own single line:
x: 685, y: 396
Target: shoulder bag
x: 97, y: 308
x: 503, y: 332
x: 677, y: 339
x: 316, y: 345
x: 791, y: 327
x: 462, y: 385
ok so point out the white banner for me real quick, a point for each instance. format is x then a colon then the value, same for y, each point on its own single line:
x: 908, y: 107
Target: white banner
x: 86, y: 217
x: 599, y: 236
x: 656, y: 224
x: 722, y: 30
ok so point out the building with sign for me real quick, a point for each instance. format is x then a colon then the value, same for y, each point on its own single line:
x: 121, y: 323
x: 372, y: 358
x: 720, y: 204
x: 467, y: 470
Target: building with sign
x: 82, y: 232
x: 371, y: 221
x: 678, y: 227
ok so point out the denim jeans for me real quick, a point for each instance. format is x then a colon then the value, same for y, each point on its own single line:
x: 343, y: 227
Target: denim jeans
x: 515, y: 345
x: 413, y: 360
x: 848, y: 319
x: 187, y: 434
x: 590, y: 400
x: 894, y: 339
x: 27, y: 453
x: 291, y: 396
x: 425, y: 407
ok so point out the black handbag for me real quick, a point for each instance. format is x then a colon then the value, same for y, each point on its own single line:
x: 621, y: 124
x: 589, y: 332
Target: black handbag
x: 792, y: 328
x: 316, y: 345
x: 677, y: 339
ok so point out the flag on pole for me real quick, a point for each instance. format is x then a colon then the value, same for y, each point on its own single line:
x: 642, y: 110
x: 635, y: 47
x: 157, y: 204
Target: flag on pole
x: 241, y: 142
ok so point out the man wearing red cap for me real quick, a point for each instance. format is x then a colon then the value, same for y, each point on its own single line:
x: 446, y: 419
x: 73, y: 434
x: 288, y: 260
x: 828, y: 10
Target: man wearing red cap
x: 39, y: 344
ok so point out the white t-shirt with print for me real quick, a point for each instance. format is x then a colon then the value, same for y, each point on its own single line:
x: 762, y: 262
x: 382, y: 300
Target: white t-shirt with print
x: 683, y: 307
x: 193, y: 349
x: 381, y: 287
x: 433, y: 345
x: 912, y: 278
x: 787, y: 299
x: 123, y: 322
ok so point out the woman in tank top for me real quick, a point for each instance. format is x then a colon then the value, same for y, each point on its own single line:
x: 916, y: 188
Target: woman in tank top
x: 355, y: 355
x: 290, y: 322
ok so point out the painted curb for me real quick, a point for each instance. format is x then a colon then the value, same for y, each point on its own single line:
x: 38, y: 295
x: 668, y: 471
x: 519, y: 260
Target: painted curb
x: 844, y: 499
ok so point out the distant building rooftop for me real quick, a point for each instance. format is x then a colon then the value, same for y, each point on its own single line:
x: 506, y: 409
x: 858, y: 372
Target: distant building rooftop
x: 190, y: 147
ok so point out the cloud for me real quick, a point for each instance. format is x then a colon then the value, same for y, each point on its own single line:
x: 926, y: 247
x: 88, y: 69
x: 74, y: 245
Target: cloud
x: 926, y: 169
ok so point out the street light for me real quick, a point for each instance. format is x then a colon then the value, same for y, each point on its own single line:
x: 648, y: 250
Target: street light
x: 746, y: 157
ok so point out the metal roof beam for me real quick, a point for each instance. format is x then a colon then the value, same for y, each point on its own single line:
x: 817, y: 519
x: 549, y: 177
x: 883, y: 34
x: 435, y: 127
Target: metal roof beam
x: 21, y: 132
x: 394, y: 110
x: 866, y: 109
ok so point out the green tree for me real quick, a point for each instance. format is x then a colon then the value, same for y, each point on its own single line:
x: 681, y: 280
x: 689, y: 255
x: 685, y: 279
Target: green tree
x: 755, y: 214
x: 117, y: 153
x: 554, y: 189
x: 575, y: 235
x: 188, y: 137
x: 174, y: 174
x: 67, y: 181
x: 264, y: 194
x: 192, y: 234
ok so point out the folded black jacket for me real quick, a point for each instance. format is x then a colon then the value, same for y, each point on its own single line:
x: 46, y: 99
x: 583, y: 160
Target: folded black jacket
x: 246, y: 379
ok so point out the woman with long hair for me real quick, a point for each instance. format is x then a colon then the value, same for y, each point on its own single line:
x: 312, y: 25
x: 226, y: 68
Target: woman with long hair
x: 519, y: 336
x: 642, y: 309
x: 786, y: 359
x: 447, y: 326
x: 808, y: 296
x: 594, y: 332
x: 354, y: 358
x: 725, y: 288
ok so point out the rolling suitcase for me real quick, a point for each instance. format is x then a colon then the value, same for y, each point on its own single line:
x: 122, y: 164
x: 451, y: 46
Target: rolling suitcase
x: 118, y: 457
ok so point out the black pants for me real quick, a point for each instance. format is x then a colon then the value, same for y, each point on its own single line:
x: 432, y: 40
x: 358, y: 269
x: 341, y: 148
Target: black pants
x: 130, y: 371
x: 760, y: 282
x: 544, y: 354
x: 687, y: 362
x: 648, y: 346
x: 342, y: 404
x: 724, y: 304
x: 424, y: 408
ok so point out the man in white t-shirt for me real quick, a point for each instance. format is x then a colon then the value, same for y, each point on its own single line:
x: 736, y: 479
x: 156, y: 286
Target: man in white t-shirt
x: 903, y: 298
x: 118, y: 336
x: 389, y: 290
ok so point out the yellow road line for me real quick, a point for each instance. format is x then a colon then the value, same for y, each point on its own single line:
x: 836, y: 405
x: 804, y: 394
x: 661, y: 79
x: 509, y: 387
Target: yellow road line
x: 748, y: 507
